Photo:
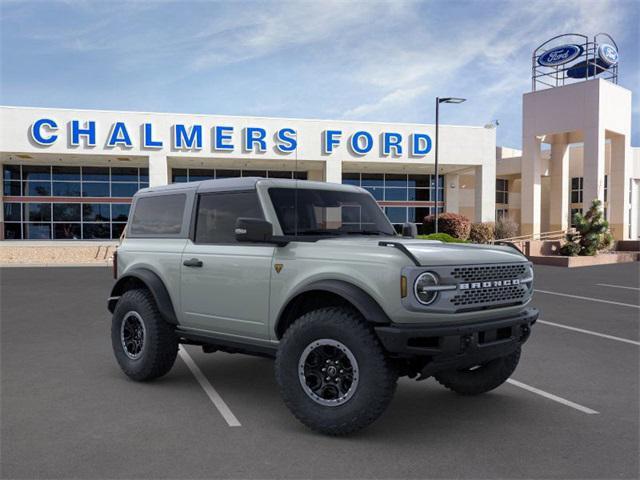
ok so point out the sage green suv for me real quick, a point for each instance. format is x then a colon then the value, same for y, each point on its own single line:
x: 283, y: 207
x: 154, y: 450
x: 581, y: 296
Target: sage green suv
x: 314, y: 275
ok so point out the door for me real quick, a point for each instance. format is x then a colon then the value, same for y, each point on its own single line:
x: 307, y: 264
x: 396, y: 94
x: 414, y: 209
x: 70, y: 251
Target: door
x: 225, y: 284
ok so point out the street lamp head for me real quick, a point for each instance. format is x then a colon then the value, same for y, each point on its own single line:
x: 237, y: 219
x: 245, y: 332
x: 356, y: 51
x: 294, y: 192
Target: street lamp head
x: 451, y: 100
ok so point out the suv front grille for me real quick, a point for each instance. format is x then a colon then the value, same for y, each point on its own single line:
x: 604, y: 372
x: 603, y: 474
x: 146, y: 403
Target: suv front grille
x: 482, y: 273
x: 492, y: 295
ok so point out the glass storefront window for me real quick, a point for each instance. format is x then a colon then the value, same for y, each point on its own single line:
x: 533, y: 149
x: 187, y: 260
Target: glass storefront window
x: 66, y: 173
x: 227, y: 173
x: 124, y: 174
x: 396, y: 214
x: 96, y: 231
x: 59, y: 219
x: 95, y: 189
x: 37, y: 212
x: 69, y: 231
x: 395, y: 194
x: 95, y: 212
x: 66, y: 212
x: 120, y: 212
x: 372, y: 180
x: 12, y: 189
x: 37, y: 189
x: 197, y: 174
x: 36, y: 172
x: 95, y: 174
x: 37, y: 231
x: 12, y: 212
x: 123, y: 189
x: 11, y: 172
x: 13, y: 231
x: 66, y: 189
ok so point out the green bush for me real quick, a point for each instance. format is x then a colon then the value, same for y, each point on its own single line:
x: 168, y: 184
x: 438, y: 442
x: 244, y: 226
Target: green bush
x: 592, y: 233
x: 484, y: 232
x: 506, y: 228
x: 443, y: 237
x: 453, y: 224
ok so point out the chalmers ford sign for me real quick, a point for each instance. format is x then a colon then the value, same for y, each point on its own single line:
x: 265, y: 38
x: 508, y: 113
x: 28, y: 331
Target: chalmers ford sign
x: 221, y: 138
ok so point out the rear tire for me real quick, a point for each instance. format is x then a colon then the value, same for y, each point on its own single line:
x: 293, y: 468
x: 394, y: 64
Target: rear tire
x: 482, y: 379
x: 357, y: 384
x: 144, y: 345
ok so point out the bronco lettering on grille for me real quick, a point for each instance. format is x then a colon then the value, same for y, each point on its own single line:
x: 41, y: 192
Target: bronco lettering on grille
x: 491, y: 284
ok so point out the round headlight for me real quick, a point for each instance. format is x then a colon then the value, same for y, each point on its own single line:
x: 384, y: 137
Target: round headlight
x: 423, y: 288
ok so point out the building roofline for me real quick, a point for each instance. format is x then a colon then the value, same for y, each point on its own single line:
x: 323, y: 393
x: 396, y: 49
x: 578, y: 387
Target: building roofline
x: 239, y: 116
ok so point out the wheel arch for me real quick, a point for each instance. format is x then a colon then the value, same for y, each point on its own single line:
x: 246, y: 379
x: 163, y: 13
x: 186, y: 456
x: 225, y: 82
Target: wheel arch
x: 325, y: 293
x: 145, y: 278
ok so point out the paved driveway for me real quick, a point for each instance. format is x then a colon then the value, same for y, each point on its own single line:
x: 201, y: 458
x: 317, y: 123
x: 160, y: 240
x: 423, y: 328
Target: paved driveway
x: 68, y: 411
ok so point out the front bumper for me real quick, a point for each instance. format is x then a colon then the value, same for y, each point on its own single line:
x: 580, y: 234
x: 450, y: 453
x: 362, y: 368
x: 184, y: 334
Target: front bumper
x: 460, y: 345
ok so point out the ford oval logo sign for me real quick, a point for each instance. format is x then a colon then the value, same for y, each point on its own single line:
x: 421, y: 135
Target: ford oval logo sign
x: 560, y: 55
x: 608, y: 54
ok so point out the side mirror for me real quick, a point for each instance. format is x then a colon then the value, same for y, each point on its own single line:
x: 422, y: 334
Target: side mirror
x: 253, y: 230
x: 409, y: 230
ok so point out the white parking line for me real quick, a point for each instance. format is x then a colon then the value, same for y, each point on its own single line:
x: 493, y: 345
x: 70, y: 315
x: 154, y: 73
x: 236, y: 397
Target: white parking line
x: 211, y: 392
x: 617, y: 286
x: 590, y: 332
x: 553, y: 397
x: 588, y: 298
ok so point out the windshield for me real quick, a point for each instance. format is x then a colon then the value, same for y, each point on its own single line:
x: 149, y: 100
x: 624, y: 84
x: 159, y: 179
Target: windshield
x: 326, y: 212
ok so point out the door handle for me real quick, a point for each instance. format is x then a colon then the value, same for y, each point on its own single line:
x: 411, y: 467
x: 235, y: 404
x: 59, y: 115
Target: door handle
x: 194, y: 262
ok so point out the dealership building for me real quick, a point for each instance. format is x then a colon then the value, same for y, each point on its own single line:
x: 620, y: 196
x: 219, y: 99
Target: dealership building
x: 70, y: 174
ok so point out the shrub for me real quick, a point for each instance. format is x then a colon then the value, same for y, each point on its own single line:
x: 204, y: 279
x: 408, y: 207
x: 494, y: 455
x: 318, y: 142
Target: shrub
x: 443, y: 237
x: 506, y: 228
x: 592, y: 233
x: 453, y: 224
x: 484, y: 232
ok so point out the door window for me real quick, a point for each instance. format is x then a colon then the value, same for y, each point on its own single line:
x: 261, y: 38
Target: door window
x: 218, y: 212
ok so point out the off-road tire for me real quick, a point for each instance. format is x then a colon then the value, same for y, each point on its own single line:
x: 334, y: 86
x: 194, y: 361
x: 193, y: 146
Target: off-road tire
x: 480, y: 380
x: 160, y: 345
x: 377, y: 377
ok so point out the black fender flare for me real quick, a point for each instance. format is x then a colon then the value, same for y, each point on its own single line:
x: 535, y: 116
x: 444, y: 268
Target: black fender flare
x: 356, y: 296
x: 154, y: 284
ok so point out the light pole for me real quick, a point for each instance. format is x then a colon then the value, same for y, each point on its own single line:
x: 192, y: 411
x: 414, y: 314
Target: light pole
x: 438, y: 102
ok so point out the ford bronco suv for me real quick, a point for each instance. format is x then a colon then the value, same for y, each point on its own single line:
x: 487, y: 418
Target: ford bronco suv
x: 314, y: 275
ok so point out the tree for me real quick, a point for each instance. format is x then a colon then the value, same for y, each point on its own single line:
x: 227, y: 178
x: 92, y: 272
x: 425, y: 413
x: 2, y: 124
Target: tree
x: 591, y: 235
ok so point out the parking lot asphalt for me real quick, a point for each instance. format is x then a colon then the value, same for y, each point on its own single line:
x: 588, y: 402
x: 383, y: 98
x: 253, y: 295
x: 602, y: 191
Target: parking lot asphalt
x: 67, y: 411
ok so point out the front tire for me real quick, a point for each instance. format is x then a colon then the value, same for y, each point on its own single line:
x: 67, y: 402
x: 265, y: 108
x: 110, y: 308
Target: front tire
x: 482, y: 378
x: 332, y: 372
x: 144, y: 345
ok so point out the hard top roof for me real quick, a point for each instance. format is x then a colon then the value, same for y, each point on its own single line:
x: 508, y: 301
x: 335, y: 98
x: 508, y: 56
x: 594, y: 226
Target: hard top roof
x: 243, y: 183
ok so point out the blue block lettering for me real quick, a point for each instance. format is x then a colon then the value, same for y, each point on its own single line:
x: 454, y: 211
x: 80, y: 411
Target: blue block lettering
x: 37, y: 134
x: 147, y: 137
x: 255, y: 136
x: 89, y: 131
x: 119, y: 136
x: 356, y: 144
x: 286, y: 140
x: 331, y: 140
x: 184, y: 138
x: 421, y: 144
x: 222, y: 137
x: 391, y: 140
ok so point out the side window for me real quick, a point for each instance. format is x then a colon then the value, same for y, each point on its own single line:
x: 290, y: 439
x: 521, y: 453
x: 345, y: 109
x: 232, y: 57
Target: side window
x: 218, y: 212
x: 158, y: 215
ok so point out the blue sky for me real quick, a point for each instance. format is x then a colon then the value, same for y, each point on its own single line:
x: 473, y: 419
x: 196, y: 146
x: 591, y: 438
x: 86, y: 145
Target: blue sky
x: 374, y: 61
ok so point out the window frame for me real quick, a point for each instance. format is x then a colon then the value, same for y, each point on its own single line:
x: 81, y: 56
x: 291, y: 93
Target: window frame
x: 186, y: 214
x: 196, y: 210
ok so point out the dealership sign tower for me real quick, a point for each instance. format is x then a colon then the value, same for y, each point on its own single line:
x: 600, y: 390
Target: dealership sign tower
x: 575, y: 99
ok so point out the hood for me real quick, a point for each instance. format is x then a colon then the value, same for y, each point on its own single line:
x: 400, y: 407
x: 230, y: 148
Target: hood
x: 433, y: 252
x: 438, y: 253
